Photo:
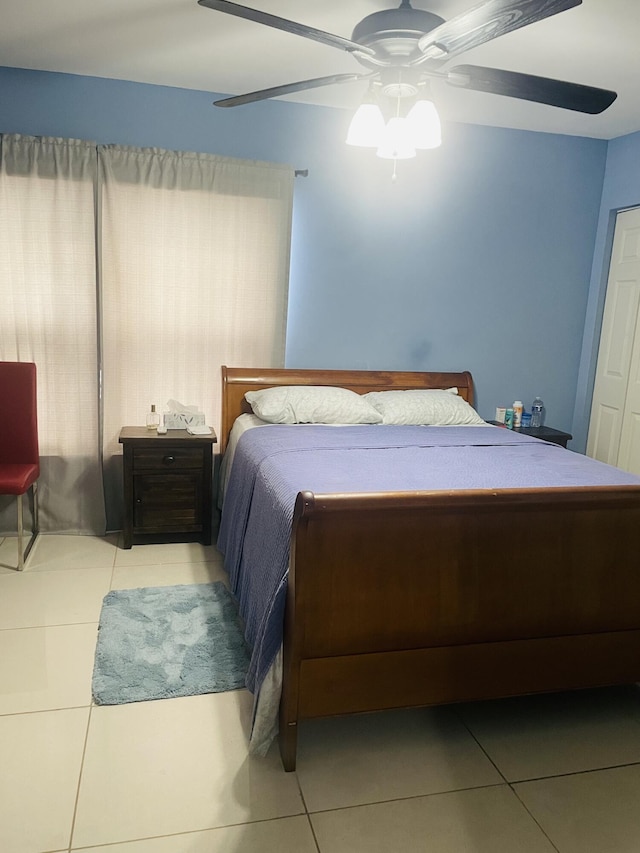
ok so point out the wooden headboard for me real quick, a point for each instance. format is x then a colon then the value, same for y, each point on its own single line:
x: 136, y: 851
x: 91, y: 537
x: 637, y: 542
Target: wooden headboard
x: 236, y: 381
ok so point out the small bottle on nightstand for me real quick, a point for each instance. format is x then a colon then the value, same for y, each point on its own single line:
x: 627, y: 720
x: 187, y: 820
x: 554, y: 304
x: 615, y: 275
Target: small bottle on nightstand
x: 537, y: 413
x: 517, y: 413
x: 153, y: 419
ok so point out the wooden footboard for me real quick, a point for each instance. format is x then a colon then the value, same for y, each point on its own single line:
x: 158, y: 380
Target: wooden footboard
x: 409, y: 599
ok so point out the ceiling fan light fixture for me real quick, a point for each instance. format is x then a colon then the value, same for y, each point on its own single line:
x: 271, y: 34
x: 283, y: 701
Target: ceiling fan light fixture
x: 424, y: 123
x: 367, y: 126
x: 397, y: 142
x: 403, y: 46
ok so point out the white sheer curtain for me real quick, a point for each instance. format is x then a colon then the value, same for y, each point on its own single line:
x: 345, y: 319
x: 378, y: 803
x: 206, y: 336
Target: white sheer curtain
x: 184, y: 259
x: 48, y: 316
x: 195, y: 255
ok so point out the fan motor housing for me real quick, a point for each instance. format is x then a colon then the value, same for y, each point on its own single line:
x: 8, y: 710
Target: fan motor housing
x: 394, y: 33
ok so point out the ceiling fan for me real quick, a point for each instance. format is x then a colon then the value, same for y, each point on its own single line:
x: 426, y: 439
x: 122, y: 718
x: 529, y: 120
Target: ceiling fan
x: 402, y: 49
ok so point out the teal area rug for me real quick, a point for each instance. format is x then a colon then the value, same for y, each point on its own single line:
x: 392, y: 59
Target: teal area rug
x: 165, y: 641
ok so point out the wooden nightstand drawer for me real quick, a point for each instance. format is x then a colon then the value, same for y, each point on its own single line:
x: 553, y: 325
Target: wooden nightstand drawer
x: 167, y: 503
x: 161, y: 458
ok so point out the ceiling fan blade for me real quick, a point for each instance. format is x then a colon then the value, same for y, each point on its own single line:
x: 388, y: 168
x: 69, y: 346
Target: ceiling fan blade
x: 485, y: 22
x: 287, y: 89
x: 527, y: 87
x: 286, y: 25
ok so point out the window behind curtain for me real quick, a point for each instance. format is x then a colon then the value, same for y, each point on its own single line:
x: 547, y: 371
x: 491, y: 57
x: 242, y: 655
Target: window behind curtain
x: 191, y: 257
x: 195, y: 254
x: 48, y: 316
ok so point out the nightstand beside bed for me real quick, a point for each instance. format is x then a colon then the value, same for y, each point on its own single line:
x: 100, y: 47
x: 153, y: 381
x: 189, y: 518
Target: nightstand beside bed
x: 544, y: 433
x: 167, y: 486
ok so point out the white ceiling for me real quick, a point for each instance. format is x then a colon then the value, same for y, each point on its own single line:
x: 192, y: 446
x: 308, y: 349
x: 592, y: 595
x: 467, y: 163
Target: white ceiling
x: 179, y: 43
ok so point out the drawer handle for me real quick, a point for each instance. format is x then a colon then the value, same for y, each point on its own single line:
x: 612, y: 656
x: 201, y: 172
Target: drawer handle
x: 168, y: 460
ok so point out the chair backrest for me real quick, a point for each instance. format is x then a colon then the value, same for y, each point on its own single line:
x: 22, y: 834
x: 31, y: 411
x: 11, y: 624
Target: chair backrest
x: 18, y: 413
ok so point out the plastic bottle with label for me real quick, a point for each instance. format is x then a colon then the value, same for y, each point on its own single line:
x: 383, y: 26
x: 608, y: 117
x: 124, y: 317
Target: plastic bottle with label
x: 518, y: 408
x: 537, y: 413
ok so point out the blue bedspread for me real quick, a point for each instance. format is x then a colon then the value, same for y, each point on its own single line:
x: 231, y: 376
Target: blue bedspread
x: 272, y: 464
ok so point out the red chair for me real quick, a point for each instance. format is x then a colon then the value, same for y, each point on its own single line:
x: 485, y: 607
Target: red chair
x: 19, y: 458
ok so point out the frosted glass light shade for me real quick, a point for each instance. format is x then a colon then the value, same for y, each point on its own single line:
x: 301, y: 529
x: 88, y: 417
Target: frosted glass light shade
x: 367, y: 126
x: 397, y: 141
x: 424, y: 122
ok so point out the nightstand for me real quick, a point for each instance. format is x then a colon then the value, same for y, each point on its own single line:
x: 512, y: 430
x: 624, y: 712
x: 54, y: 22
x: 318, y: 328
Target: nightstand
x: 167, y: 486
x: 545, y: 433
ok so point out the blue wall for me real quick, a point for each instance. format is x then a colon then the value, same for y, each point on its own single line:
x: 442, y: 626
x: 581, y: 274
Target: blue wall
x: 478, y: 257
x: 621, y: 189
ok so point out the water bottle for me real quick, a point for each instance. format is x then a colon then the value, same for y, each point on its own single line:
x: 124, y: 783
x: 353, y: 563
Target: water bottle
x: 537, y: 413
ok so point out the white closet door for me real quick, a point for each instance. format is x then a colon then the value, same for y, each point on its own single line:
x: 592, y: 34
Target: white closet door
x: 614, y: 428
x: 629, y: 452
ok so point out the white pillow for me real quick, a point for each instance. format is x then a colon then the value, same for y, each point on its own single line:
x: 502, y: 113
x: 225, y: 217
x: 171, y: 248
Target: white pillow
x: 311, y: 404
x: 433, y: 408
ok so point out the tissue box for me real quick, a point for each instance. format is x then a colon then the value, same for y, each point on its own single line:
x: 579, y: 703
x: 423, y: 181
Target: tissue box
x: 181, y: 420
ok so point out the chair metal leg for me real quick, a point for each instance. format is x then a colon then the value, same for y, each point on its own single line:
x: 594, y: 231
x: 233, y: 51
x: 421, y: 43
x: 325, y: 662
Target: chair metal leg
x: 20, y: 535
x: 33, y: 500
x: 23, y: 553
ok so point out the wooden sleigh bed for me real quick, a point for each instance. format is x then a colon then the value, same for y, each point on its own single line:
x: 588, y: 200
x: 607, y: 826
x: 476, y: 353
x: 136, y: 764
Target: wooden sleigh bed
x: 405, y: 599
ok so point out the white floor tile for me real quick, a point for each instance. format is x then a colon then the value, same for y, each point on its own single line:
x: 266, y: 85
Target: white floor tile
x: 173, y: 776
x: 177, y: 552
x: 130, y: 577
x: 175, y: 765
x: 372, y: 757
x: 46, y: 668
x: 9, y: 554
x: 38, y: 599
x: 287, y: 835
x: 52, y: 552
x: 536, y: 736
x: 487, y: 820
x: 39, y: 771
x: 593, y: 812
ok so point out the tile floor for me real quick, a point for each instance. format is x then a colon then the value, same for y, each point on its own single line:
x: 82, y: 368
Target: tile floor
x: 555, y: 773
